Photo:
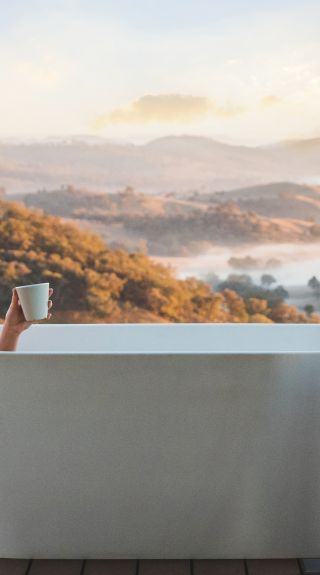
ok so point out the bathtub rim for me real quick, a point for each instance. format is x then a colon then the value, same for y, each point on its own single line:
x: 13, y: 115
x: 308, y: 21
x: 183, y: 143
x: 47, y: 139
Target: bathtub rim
x: 153, y: 353
x: 185, y: 329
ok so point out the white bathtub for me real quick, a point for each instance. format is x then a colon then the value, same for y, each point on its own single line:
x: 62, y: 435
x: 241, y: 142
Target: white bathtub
x: 164, y: 441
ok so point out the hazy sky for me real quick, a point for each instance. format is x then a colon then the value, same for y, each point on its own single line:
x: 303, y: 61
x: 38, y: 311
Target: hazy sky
x: 239, y: 70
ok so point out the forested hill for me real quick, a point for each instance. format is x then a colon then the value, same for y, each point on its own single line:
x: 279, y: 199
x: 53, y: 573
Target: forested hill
x: 95, y: 283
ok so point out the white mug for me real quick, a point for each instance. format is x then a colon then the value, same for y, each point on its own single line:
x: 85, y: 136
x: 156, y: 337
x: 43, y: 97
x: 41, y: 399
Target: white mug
x: 34, y: 301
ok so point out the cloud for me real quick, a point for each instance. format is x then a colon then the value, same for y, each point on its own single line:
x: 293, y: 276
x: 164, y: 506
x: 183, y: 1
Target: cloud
x: 270, y: 101
x: 165, y: 108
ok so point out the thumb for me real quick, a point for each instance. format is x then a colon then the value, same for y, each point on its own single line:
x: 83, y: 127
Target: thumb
x: 14, y: 299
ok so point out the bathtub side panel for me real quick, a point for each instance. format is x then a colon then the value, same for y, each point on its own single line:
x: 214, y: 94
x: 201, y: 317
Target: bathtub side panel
x: 159, y: 456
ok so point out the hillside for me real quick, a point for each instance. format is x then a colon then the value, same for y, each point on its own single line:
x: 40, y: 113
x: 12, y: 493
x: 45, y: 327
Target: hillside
x: 179, y: 164
x: 95, y: 283
x: 277, y: 200
x: 173, y: 226
x: 72, y: 202
x: 303, y: 154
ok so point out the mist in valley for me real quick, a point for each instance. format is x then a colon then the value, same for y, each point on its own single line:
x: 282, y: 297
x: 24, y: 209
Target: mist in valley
x: 291, y: 265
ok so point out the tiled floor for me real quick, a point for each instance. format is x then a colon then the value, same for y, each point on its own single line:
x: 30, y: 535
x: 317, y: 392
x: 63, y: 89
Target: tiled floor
x: 160, y: 567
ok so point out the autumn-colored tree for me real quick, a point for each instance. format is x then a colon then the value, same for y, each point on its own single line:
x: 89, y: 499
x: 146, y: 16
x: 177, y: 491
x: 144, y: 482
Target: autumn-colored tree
x: 283, y: 313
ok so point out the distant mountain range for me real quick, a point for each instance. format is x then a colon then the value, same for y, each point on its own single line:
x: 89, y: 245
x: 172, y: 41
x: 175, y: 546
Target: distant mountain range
x: 173, y: 164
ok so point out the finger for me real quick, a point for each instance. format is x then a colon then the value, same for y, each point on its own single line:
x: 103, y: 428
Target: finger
x: 50, y: 291
x: 49, y: 304
x: 14, y: 299
x: 49, y: 316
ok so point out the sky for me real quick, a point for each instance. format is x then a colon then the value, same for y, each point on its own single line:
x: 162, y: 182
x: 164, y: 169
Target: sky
x: 241, y: 71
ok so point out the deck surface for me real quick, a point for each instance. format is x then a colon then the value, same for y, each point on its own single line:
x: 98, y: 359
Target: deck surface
x: 160, y: 567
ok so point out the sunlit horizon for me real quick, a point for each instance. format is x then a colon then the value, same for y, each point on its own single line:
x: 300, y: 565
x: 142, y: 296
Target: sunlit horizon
x: 94, y: 139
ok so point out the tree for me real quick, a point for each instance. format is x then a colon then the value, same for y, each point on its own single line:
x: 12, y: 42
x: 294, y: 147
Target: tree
x: 280, y: 293
x: 309, y: 309
x: 236, y: 306
x: 267, y: 280
x: 257, y: 306
x: 283, y: 313
x: 314, y: 284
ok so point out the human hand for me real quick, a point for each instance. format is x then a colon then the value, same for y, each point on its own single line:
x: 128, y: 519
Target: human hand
x: 15, y: 322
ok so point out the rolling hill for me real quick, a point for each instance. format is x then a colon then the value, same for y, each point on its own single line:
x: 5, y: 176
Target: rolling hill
x: 165, y: 226
x: 278, y: 200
